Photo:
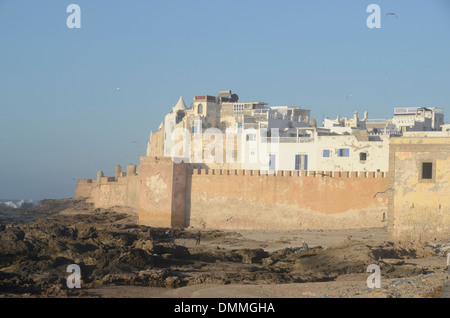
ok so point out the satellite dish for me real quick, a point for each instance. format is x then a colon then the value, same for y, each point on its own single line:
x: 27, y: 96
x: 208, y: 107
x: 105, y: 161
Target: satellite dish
x: 234, y: 98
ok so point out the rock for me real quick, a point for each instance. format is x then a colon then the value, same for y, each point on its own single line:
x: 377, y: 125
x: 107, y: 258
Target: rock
x: 172, y: 282
x: 250, y: 256
x: 393, y: 261
x: 378, y: 293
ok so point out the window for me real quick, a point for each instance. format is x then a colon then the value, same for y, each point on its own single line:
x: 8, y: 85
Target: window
x: 200, y: 109
x: 362, y: 156
x: 250, y: 137
x: 239, y: 127
x: 326, y: 153
x: 301, y: 162
x: 238, y: 109
x: 272, y: 161
x: 427, y: 170
x: 343, y: 152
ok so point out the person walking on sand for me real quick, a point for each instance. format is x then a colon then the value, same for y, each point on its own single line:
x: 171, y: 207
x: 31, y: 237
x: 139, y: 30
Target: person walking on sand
x: 198, y: 238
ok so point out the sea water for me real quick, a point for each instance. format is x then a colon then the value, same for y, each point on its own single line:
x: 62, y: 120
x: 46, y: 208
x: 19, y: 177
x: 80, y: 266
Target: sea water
x: 17, y: 204
x: 11, y: 209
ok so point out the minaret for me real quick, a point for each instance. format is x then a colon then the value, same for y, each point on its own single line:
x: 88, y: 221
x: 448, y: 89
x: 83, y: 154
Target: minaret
x: 180, y: 105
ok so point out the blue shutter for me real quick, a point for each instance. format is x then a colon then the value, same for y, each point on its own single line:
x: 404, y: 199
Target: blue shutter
x: 297, y: 162
x: 272, y: 162
x: 346, y: 152
x: 306, y: 162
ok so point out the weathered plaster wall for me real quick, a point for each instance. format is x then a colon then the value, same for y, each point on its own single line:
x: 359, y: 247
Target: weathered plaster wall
x: 157, y: 144
x: 419, y: 209
x: 109, y: 191
x: 84, y: 188
x: 232, y: 200
x: 173, y: 195
x: 377, y: 154
x: 162, y: 194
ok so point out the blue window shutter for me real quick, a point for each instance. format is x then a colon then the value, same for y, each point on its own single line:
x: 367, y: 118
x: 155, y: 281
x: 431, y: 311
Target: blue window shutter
x: 346, y: 152
x: 297, y: 159
x: 272, y: 162
x: 306, y: 162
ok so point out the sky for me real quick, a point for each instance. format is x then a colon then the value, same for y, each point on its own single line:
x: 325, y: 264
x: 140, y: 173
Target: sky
x: 63, y: 118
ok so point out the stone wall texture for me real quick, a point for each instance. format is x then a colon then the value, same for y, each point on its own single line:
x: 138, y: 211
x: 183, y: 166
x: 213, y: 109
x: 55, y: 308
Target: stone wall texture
x: 419, y: 209
x: 238, y: 199
x: 174, y: 195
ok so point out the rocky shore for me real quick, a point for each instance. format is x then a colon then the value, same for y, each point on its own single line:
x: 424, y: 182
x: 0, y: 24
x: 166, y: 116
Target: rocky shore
x: 119, y: 258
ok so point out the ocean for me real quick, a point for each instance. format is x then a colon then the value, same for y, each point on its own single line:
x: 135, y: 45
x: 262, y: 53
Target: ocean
x: 12, y: 210
x: 18, y: 204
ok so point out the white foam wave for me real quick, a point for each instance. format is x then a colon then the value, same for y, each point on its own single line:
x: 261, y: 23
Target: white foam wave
x: 18, y: 204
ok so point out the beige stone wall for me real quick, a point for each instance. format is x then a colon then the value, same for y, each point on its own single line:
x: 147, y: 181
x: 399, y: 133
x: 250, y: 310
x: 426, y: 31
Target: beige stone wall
x: 419, y: 209
x: 109, y: 191
x: 84, y: 188
x: 173, y: 195
x: 231, y: 200
x: 162, y: 193
x: 157, y: 143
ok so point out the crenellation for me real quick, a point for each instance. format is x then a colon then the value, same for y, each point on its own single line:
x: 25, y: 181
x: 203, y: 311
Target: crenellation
x: 131, y: 169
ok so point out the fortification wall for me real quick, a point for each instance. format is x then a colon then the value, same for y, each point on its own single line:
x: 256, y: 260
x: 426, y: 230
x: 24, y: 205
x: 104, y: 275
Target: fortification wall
x: 84, y: 188
x: 105, y: 192
x: 162, y: 192
x: 419, y: 209
x: 240, y: 199
x: 174, y: 195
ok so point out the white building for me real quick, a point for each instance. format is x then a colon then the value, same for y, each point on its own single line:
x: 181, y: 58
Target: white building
x: 285, y: 137
x: 418, y: 118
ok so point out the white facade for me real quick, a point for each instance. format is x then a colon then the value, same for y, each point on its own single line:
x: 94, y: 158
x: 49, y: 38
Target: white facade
x: 316, y: 153
x: 418, y: 118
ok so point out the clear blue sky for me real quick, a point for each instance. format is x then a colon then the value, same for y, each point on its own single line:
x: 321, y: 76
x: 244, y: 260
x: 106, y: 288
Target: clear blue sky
x: 62, y: 117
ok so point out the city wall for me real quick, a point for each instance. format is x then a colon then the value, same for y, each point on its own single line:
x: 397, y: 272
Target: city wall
x: 419, y: 209
x: 105, y: 192
x: 168, y: 194
x: 253, y: 199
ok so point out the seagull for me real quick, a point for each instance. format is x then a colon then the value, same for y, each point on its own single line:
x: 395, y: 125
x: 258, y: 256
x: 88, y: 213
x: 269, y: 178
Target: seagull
x: 348, y: 96
x: 118, y: 88
x: 229, y: 219
x: 383, y: 192
x: 392, y: 13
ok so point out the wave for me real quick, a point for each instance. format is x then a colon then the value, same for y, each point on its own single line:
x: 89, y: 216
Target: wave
x: 18, y: 204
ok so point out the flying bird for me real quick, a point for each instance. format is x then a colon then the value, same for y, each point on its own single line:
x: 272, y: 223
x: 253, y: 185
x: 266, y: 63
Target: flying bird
x: 383, y: 192
x: 229, y: 219
x: 392, y: 13
x: 348, y: 96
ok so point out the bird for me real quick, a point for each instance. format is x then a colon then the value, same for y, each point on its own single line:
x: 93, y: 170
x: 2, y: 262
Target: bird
x: 348, y: 95
x: 392, y: 13
x: 383, y: 192
x: 118, y: 88
x: 229, y: 219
